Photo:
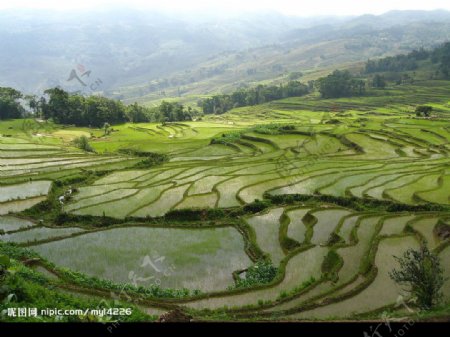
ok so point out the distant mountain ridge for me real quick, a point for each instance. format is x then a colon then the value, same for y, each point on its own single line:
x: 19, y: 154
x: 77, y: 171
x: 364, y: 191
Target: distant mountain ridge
x: 146, y: 56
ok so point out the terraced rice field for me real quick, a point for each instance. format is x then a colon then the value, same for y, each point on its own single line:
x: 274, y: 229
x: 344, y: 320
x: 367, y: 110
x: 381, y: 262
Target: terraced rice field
x: 10, y: 223
x: 297, y: 228
x: 267, y: 227
x: 298, y: 270
x: 24, y: 191
x: 381, y: 292
x: 194, y: 259
x: 357, y: 184
x: 327, y: 221
x: 291, y: 164
x: 38, y: 234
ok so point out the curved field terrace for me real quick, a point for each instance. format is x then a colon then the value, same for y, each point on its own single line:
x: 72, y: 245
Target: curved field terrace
x: 292, y: 210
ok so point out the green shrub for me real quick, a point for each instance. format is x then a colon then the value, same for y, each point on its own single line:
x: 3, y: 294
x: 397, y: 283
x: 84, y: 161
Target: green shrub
x: 94, y: 221
x: 5, y: 263
x: 283, y: 294
x: 76, y: 179
x: 355, y: 203
x: 150, y: 158
x: 229, y: 137
x: 423, y: 110
x: 83, y: 144
x: 422, y: 272
x: 148, y: 162
x: 331, y: 263
x: 289, y: 244
x: 191, y: 214
x: 333, y: 121
x: 262, y: 272
x: 256, y: 206
x: 273, y: 129
x: 27, y: 288
x: 309, y: 219
x: 308, y: 282
x: 334, y: 239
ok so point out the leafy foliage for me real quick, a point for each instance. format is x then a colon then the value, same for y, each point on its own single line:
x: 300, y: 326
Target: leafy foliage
x: 26, y: 288
x: 246, y: 97
x: 422, y: 272
x: 227, y: 138
x: 424, y: 110
x: 9, y: 104
x: 331, y: 262
x: 149, y: 158
x: 394, y: 63
x: 256, y: 206
x: 262, y: 272
x: 65, y: 108
x: 4, y: 265
x: 97, y: 111
x: 355, y: 203
x: 189, y: 214
x: 335, y: 238
x: 273, y: 129
x: 173, y: 112
x: 441, y: 55
x: 409, y: 62
x: 83, y: 144
x: 340, y: 84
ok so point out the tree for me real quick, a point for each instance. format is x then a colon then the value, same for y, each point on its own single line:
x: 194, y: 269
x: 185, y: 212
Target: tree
x: 394, y: 63
x: 422, y: 272
x: 67, y: 108
x: 166, y: 111
x: 378, y: 81
x: 340, y: 84
x: 57, y: 105
x: 178, y: 112
x: 441, y: 55
x: 33, y: 103
x: 137, y: 113
x: 424, y: 110
x: 107, y: 128
x: 9, y: 103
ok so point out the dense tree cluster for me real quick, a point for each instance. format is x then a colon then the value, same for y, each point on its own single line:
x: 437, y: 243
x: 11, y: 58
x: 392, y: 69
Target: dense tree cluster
x: 245, y: 97
x: 340, y: 84
x: 94, y: 111
x: 407, y: 62
x: 65, y: 108
x: 10, y: 106
x: 441, y: 55
x: 173, y: 112
x: 392, y: 64
x: 165, y: 112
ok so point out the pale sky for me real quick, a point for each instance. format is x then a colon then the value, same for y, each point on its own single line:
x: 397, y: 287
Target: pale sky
x: 289, y: 7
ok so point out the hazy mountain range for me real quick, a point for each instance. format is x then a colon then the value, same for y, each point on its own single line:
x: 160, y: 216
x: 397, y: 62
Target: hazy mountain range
x: 143, y: 56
